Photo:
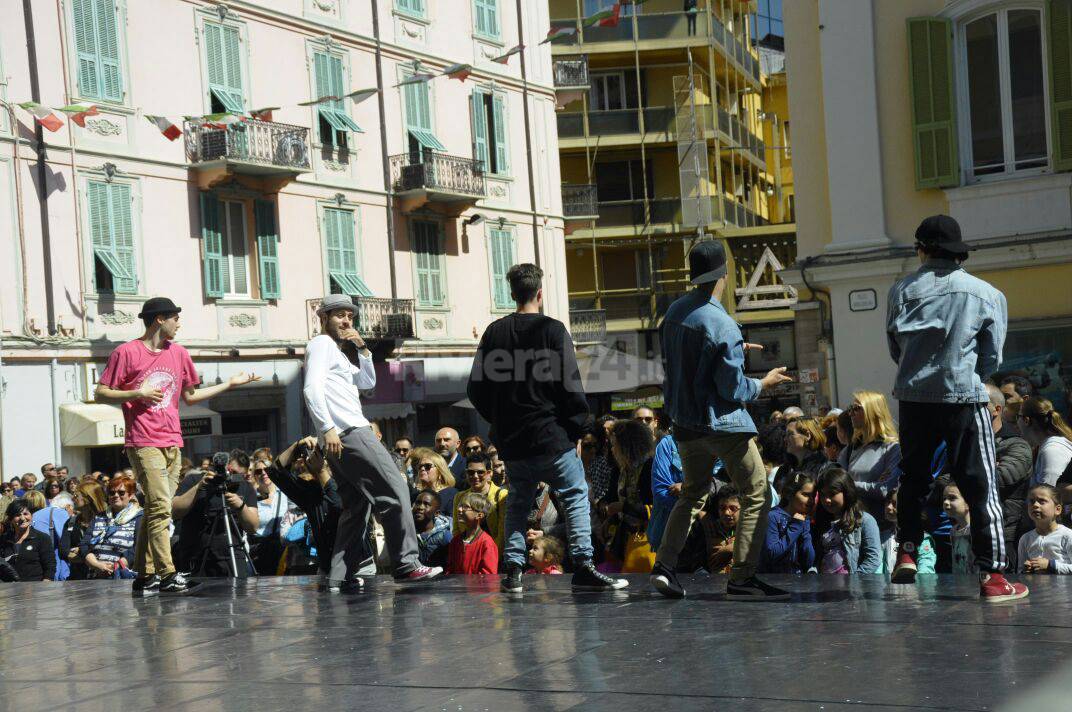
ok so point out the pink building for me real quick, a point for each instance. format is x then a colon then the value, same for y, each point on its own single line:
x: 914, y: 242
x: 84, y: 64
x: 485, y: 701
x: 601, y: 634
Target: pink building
x: 414, y: 201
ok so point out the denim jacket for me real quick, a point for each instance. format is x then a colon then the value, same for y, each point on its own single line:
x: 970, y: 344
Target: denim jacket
x: 705, y: 388
x: 863, y: 547
x: 945, y: 330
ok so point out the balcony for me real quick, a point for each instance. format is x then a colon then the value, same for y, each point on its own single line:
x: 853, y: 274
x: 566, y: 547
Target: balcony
x: 741, y: 136
x: 658, y: 123
x: 263, y: 149
x: 588, y: 326
x: 740, y: 215
x: 571, y: 74
x: 452, y: 183
x: 580, y: 202
x: 377, y: 319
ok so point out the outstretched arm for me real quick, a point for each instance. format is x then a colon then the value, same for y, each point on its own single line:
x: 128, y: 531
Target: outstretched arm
x: 196, y: 395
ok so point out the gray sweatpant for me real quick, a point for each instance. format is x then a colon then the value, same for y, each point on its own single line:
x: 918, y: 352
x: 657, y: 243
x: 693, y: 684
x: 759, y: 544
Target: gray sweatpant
x: 352, y: 555
x: 366, y: 466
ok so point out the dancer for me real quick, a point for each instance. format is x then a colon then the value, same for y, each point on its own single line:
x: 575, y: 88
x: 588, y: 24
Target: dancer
x: 705, y: 391
x: 945, y: 330
x: 146, y: 376
x: 525, y: 383
x: 338, y: 365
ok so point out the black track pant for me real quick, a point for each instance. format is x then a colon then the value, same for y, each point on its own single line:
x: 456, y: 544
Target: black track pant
x: 969, y: 438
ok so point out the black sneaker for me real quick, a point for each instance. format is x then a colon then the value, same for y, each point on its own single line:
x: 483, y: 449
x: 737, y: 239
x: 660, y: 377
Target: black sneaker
x: 586, y: 578
x: 511, y: 582
x: 145, y: 586
x: 665, y: 582
x: 354, y: 585
x: 753, y: 589
x: 177, y: 585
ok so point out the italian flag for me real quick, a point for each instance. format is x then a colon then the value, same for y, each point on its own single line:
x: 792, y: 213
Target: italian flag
x: 78, y: 113
x: 505, y: 58
x: 558, y: 33
x: 163, y: 123
x: 43, y: 115
x: 606, y: 18
x: 460, y: 72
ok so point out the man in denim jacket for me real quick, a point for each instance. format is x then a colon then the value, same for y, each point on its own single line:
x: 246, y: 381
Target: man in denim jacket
x: 705, y: 390
x: 945, y: 330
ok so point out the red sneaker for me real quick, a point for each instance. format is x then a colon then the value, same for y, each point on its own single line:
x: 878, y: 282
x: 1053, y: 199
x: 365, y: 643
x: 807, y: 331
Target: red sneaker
x: 420, y: 575
x: 993, y: 588
x: 905, y: 569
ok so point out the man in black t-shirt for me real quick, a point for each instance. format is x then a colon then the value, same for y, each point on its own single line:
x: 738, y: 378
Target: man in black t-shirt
x: 202, y: 546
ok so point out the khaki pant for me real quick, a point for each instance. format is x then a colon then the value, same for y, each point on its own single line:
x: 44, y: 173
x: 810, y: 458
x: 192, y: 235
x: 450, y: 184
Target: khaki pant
x: 741, y: 457
x: 157, y: 472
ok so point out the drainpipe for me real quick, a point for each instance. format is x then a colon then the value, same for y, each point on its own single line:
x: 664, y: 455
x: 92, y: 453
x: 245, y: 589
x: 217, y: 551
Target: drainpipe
x: 53, y: 367
x: 383, y: 150
x: 528, y: 134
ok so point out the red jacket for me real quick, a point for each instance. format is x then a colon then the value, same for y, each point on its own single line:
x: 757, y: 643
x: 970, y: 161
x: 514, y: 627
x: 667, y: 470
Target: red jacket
x: 479, y: 557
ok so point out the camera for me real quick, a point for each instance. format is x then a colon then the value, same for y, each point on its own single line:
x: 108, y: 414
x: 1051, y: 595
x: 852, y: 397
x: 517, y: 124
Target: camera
x: 220, y: 480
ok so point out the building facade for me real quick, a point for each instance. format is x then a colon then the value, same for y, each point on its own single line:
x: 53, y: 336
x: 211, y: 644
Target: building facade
x: 673, y: 127
x: 414, y: 201
x: 924, y: 107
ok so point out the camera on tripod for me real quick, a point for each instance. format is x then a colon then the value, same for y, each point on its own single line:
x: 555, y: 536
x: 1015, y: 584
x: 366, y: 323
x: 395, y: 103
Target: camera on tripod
x: 220, y: 480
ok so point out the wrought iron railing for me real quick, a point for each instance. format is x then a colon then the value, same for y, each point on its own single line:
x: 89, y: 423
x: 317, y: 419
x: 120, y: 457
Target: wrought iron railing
x: 579, y: 201
x: 376, y: 318
x: 571, y: 73
x: 250, y: 141
x: 588, y: 326
x: 429, y: 170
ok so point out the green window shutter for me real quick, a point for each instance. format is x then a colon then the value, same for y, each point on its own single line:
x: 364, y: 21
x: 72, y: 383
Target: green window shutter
x: 934, y: 125
x: 123, y: 237
x: 502, y: 257
x: 1060, y: 20
x: 267, y: 248
x: 330, y: 81
x: 480, y: 129
x: 111, y: 81
x: 429, y: 265
x: 486, y: 15
x: 85, y: 43
x: 212, y: 244
x: 498, y: 119
x: 224, y: 60
x: 415, y: 7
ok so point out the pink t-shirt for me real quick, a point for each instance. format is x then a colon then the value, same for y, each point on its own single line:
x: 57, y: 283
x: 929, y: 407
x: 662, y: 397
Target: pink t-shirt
x: 171, y: 370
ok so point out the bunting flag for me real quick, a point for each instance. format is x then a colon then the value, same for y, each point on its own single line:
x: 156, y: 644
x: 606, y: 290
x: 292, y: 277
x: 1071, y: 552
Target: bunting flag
x: 505, y: 58
x: 264, y: 114
x: 605, y: 18
x: 170, y: 130
x: 416, y: 79
x: 361, y: 94
x: 78, y: 113
x: 43, y: 115
x: 559, y: 33
x: 319, y: 100
x: 460, y: 72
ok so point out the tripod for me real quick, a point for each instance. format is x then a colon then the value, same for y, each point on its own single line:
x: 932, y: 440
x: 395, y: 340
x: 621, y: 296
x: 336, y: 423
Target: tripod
x: 234, y: 541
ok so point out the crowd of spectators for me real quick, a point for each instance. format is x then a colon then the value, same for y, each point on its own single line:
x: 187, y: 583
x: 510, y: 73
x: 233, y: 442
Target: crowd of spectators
x: 833, y: 481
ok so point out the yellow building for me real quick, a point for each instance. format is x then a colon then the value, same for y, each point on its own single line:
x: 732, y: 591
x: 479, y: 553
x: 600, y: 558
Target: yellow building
x: 671, y: 129
x: 918, y: 107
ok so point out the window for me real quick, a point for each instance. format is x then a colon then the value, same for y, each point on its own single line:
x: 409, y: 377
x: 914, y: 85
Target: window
x: 489, y: 131
x: 418, y: 108
x: 623, y: 180
x: 224, y: 67
x: 410, y: 7
x: 486, y: 18
x: 329, y: 80
x: 340, y: 242
x: 112, y: 231
x: 501, y: 254
x: 625, y: 269
x: 428, y: 254
x: 1007, y: 104
x: 96, y: 39
x: 607, y: 92
x: 235, y: 261
x: 225, y: 249
x: 767, y: 28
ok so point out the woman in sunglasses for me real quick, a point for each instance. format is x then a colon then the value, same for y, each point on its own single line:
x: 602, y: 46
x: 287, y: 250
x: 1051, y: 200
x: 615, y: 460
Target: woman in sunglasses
x: 430, y: 471
x: 108, y: 546
x: 90, y: 501
x: 272, y: 509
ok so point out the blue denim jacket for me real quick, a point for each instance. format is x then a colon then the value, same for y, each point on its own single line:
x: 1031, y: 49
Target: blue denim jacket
x: 945, y: 330
x: 705, y: 388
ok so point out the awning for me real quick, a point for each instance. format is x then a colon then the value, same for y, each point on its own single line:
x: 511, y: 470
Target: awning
x: 388, y: 411
x: 427, y: 139
x: 606, y: 370
x: 91, y: 425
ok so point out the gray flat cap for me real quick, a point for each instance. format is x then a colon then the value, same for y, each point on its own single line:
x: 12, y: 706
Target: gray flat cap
x: 335, y: 301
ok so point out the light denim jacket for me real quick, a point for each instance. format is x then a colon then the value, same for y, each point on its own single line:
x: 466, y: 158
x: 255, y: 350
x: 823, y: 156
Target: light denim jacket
x: 945, y: 330
x: 863, y: 547
x: 705, y: 388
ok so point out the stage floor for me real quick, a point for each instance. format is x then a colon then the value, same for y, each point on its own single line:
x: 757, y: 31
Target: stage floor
x: 276, y: 644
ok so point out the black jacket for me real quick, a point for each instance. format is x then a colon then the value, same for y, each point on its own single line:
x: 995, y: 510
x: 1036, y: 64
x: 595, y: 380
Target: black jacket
x: 1014, y: 461
x: 34, y: 559
x: 321, y: 505
x: 526, y: 383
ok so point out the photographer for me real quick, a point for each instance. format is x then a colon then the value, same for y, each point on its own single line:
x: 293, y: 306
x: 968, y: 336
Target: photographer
x: 301, y: 473
x: 197, y: 503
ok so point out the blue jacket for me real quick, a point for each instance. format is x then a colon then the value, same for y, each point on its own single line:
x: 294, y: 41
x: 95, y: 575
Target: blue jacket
x: 705, y: 388
x: 787, y: 548
x: 863, y: 547
x: 665, y: 471
x: 945, y: 330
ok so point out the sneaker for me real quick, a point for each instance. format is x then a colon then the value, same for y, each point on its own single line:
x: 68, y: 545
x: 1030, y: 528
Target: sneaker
x: 665, y: 582
x: 904, y: 571
x: 511, y: 582
x: 145, y: 586
x: 994, y: 588
x: 421, y: 574
x: 354, y: 585
x: 177, y: 585
x: 753, y: 589
x: 586, y: 578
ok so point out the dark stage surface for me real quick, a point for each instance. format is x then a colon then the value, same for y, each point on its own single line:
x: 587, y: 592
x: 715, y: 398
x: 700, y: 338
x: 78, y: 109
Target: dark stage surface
x: 276, y: 644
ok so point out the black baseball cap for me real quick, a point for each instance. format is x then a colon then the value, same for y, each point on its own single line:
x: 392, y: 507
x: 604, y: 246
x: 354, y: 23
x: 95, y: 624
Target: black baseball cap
x: 944, y: 232
x: 707, y: 262
x: 158, y: 305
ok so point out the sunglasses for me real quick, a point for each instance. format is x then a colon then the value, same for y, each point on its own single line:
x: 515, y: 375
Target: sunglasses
x: 476, y: 473
x: 426, y: 466
x: 401, y: 450
x: 117, y: 493
x: 473, y: 448
x: 260, y: 471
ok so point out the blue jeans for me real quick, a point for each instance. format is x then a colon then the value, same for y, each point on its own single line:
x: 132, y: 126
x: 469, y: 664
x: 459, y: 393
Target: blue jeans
x: 565, y: 474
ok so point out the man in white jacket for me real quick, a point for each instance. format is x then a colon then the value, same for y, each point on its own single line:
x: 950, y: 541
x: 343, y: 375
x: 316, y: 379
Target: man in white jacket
x: 338, y: 365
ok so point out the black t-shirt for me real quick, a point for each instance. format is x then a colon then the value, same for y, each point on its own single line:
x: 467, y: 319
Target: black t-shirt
x: 194, y: 534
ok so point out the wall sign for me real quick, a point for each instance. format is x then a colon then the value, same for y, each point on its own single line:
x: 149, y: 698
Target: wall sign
x: 862, y: 300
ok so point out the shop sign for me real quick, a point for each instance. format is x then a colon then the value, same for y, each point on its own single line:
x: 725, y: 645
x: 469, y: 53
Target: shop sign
x: 625, y: 403
x: 192, y: 427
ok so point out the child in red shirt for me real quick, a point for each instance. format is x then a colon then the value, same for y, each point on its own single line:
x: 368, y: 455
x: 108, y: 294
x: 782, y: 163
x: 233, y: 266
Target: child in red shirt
x: 474, y: 552
x: 545, y: 556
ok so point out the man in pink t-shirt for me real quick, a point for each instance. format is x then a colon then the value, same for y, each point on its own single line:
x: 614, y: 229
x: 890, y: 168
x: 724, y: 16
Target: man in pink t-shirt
x: 146, y: 376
